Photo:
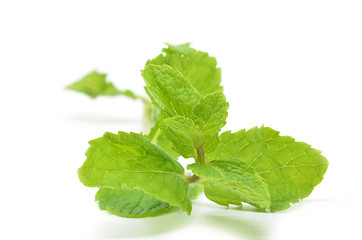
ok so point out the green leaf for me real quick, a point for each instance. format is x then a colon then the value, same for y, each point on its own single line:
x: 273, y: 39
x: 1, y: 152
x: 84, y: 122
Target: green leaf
x: 291, y: 169
x: 232, y: 182
x: 170, y: 90
x: 210, y: 114
x: 158, y: 138
x: 135, y: 203
x: 185, y: 136
x: 212, y: 110
x: 130, y: 159
x: 197, y: 66
x: 173, y: 95
x: 94, y: 84
x: 176, y: 97
x: 131, y: 203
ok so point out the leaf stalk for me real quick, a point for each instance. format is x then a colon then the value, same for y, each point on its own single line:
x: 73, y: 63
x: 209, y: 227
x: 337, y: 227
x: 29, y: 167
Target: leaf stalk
x: 200, y: 155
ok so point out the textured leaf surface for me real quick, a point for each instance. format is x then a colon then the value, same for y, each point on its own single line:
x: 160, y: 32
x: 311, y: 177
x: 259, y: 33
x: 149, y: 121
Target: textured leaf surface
x: 129, y: 159
x: 185, y: 136
x: 166, y: 87
x: 232, y: 182
x: 291, y: 169
x: 94, y: 84
x: 170, y: 90
x: 197, y: 66
x: 210, y: 114
x: 132, y: 203
x: 212, y: 110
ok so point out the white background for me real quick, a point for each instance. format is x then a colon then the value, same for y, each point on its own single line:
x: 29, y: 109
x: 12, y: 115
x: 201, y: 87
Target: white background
x: 294, y: 66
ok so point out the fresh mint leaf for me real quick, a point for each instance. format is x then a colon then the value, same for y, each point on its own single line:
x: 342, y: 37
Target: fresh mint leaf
x: 135, y: 203
x: 290, y: 169
x: 94, y: 84
x: 170, y: 90
x: 232, y: 182
x: 158, y: 138
x: 173, y: 95
x: 199, y: 69
x: 191, y: 121
x: 210, y: 115
x: 131, y: 203
x: 185, y: 136
x: 197, y: 66
x: 130, y: 159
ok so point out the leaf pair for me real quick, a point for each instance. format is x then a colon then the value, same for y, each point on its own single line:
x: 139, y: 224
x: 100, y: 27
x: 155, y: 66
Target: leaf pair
x: 138, y: 175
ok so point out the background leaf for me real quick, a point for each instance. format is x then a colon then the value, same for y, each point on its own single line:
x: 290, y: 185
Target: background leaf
x: 94, y: 84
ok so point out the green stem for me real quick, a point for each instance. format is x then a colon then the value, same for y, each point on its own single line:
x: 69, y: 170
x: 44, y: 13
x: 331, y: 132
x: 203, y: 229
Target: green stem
x: 200, y: 155
x: 144, y: 100
x: 192, y: 179
x: 154, y: 138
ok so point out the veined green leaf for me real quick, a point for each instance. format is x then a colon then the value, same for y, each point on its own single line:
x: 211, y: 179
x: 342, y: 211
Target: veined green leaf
x: 197, y: 66
x: 232, y: 182
x: 158, y: 138
x: 130, y: 159
x: 291, y: 169
x: 170, y: 90
x: 176, y: 97
x: 210, y: 115
x: 131, y: 203
x: 184, y: 134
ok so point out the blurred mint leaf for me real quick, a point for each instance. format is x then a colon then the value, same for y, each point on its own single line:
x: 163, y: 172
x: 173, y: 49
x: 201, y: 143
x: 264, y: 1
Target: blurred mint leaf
x: 94, y: 84
x: 195, y: 190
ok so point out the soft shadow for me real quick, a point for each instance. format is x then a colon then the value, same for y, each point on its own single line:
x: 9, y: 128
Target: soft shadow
x: 245, y: 222
x: 100, y: 119
x: 135, y: 228
x: 247, y: 227
x: 316, y: 200
x: 248, y: 208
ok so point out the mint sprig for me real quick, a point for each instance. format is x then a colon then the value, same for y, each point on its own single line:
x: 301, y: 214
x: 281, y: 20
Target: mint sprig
x: 139, y: 176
